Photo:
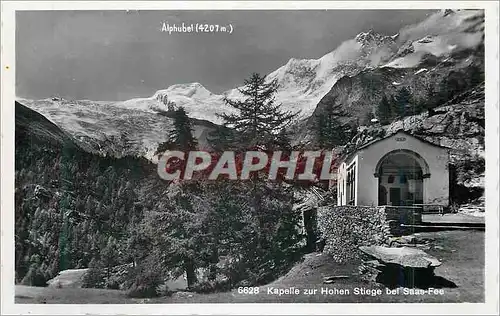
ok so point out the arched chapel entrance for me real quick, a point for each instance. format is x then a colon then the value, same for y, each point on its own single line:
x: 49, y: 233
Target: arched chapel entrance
x: 401, y: 176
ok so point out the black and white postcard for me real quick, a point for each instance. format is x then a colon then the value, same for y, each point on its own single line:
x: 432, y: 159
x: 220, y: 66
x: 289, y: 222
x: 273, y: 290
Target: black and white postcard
x: 249, y: 157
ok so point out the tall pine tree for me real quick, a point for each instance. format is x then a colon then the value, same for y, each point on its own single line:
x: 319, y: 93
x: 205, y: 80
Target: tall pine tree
x: 260, y: 122
x: 402, y: 101
x: 330, y: 131
x: 259, y: 118
x: 181, y: 138
x: 383, y: 111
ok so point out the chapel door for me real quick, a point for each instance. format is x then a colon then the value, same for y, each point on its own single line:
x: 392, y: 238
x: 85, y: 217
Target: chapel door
x: 382, y: 195
x: 395, y: 196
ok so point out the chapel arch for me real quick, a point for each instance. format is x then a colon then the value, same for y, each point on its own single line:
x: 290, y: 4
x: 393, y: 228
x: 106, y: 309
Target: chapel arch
x: 401, y: 176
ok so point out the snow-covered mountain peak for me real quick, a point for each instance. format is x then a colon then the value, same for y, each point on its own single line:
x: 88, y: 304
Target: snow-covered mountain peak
x: 365, y: 36
x: 372, y: 38
x: 295, y: 71
x: 191, y: 90
x: 198, y: 102
x: 440, y: 35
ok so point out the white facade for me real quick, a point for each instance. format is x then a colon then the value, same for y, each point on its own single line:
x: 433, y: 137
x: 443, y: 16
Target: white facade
x: 398, y: 170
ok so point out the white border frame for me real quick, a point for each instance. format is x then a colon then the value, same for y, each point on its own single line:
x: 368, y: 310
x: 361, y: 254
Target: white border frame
x: 8, y: 306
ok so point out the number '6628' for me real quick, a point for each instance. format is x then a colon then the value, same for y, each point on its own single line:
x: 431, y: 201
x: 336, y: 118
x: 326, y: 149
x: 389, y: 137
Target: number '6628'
x: 248, y: 290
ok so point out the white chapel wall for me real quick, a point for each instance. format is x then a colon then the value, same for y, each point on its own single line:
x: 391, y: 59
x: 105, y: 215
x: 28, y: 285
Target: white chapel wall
x: 436, y: 188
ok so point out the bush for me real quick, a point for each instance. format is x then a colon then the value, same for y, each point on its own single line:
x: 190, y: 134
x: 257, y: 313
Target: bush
x: 211, y: 286
x: 163, y: 290
x: 34, y: 277
x: 128, y: 279
x: 146, y: 284
x: 330, y: 198
x: 112, y: 284
x: 94, y: 278
x: 121, y: 277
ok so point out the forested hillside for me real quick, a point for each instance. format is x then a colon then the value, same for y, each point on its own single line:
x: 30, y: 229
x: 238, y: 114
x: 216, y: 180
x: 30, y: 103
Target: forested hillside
x: 75, y: 209
x: 71, y: 204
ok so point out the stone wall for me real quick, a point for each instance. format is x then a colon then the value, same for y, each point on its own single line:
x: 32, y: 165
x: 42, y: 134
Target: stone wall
x: 397, y: 215
x: 345, y: 228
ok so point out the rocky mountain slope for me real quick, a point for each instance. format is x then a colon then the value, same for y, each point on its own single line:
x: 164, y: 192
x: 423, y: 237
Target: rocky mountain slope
x: 458, y: 125
x: 447, y: 49
x: 443, y: 73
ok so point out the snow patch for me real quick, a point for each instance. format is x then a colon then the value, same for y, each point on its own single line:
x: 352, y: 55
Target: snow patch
x: 409, y: 61
x: 420, y: 71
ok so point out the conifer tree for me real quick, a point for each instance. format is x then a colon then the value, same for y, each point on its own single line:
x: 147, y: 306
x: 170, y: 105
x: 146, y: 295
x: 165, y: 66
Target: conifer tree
x: 430, y: 101
x: 180, y: 137
x: 222, y: 138
x: 261, y: 123
x: 401, y: 101
x: 110, y: 255
x: 259, y: 119
x: 282, y: 141
x: 384, y: 110
x: 330, y: 131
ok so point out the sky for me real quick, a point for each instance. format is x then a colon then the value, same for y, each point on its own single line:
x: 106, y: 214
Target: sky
x: 119, y: 55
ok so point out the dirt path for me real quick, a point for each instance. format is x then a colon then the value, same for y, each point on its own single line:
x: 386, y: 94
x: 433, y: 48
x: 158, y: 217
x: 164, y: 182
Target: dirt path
x: 452, y: 219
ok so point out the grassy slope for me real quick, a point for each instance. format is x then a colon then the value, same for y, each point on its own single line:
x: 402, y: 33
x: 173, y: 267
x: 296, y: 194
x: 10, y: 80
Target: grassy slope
x: 462, y: 254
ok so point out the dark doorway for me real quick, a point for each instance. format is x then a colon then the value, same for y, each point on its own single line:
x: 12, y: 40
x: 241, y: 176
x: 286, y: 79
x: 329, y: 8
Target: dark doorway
x: 382, y: 195
x: 395, y: 196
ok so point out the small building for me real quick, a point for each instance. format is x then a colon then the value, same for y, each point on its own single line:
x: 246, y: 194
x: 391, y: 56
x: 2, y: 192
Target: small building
x: 398, y: 170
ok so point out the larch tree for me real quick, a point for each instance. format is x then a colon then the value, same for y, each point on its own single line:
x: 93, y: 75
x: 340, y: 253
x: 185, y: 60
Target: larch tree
x: 259, y: 119
x: 260, y: 123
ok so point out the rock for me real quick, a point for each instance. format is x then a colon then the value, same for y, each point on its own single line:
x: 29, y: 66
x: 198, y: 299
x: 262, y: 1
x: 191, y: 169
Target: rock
x: 373, y: 263
x: 71, y: 278
x: 41, y: 192
x: 404, y: 256
x: 335, y: 277
x: 408, y: 239
x: 396, y: 267
x: 182, y: 294
x: 369, y: 270
x: 424, y: 247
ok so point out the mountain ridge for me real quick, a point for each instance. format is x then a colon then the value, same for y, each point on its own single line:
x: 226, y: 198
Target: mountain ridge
x: 304, y: 84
